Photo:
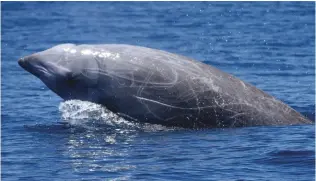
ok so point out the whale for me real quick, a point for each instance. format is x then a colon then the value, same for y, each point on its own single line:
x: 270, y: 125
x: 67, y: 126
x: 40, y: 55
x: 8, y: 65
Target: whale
x: 148, y: 85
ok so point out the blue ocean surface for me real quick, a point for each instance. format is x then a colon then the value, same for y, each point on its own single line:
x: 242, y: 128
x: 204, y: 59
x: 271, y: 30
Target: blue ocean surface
x: 268, y: 44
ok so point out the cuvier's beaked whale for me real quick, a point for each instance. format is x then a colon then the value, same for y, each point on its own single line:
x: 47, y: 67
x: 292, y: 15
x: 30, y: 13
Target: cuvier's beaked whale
x: 154, y: 86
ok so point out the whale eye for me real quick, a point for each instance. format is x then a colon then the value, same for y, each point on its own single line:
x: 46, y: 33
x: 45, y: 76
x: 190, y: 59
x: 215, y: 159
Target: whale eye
x: 71, y: 80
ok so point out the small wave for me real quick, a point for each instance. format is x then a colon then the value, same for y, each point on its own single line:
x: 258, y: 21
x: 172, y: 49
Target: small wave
x: 292, y: 153
x: 96, y: 117
x: 304, y: 158
x: 51, y: 128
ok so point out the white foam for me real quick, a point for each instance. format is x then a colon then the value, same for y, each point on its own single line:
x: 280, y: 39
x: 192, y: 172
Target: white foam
x: 80, y: 112
x: 83, y: 113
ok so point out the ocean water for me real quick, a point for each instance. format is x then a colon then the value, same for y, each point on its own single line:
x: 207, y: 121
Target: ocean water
x: 268, y: 44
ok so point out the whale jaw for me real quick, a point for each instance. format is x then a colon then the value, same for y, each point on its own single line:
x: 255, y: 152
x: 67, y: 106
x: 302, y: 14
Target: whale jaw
x: 51, y: 74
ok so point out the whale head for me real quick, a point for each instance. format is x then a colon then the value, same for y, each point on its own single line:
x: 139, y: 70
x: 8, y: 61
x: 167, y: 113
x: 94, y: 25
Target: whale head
x: 62, y: 70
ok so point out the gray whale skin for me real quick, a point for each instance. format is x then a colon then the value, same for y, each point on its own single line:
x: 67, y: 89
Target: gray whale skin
x: 154, y: 86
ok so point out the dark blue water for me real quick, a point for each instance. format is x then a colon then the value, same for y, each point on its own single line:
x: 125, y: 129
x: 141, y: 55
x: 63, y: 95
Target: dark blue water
x: 269, y: 44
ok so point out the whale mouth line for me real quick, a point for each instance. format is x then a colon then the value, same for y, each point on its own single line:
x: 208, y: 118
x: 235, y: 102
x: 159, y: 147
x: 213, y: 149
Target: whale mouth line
x: 41, y: 71
x: 37, y: 70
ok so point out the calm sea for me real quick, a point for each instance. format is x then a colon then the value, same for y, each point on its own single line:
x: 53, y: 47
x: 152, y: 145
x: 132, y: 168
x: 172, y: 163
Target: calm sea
x: 268, y: 44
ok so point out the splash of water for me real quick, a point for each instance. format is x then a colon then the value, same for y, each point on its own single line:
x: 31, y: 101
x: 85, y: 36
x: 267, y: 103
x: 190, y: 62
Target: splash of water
x: 78, y: 112
x: 91, y: 115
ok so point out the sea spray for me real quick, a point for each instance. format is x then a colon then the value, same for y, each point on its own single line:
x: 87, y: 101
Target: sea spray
x: 84, y: 113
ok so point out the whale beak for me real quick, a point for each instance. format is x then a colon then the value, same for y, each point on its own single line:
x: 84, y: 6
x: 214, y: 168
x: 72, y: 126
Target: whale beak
x: 33, y: 65
x: 42, y: 68
x: 21, y: 62
x: 25, y: 64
